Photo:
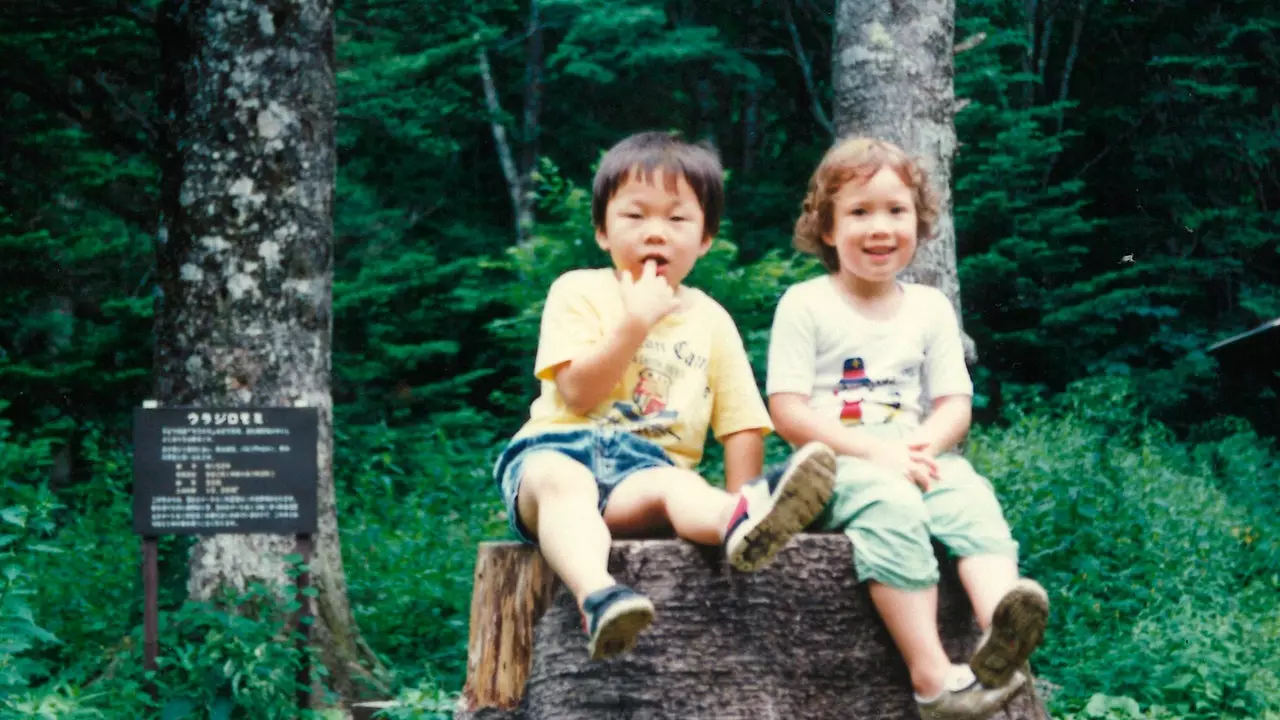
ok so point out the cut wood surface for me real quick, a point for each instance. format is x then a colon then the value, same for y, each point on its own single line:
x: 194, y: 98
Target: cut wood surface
x: 799, y: 639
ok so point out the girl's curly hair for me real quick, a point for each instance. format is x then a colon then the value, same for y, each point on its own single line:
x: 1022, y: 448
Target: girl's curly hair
x: 857, y: 159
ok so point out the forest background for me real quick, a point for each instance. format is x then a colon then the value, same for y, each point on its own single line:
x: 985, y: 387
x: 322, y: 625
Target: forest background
x: 1115, y: 198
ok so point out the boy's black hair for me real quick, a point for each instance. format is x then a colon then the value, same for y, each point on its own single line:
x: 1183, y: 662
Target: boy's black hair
x: 646, y: 152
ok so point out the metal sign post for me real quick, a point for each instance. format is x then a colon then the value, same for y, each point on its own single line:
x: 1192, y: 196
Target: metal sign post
x: 207, y: 471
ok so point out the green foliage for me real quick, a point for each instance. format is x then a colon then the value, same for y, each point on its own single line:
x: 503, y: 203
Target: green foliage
x: 75, y: 194
x: 1162, y: 573
x: 26, y: 526
x: 221, y: 663
x: 421, y: 703
x: 415, y: 501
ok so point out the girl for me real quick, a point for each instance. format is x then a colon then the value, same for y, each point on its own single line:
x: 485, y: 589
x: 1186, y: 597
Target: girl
x: 874, y: 368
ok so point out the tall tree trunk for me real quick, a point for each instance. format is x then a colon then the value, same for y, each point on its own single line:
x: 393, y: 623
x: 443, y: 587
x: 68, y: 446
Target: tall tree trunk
x: 894, y: 79
x: 533, y: 71
x: 244, y: 257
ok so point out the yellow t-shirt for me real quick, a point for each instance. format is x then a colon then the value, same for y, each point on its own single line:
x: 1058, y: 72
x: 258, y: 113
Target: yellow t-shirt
x: 691, y: 371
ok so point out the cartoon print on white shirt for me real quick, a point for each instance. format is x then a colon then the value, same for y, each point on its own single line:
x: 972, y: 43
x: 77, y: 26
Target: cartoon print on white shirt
x: 861, y: 401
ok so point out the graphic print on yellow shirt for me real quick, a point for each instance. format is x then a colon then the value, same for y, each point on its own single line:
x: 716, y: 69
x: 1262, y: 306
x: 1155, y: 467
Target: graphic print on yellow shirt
x: 648, y: 399
x: 690, y: 373
x: 663, y: 380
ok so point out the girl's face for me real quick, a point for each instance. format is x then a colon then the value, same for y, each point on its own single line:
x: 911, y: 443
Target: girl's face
x: 874, y: 228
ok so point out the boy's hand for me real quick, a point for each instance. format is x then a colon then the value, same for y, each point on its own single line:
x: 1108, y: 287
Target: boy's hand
x: 649, y: 298
x: 910, y: 459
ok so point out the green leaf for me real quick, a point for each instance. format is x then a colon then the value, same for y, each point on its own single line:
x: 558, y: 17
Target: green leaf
x: 222, y: 708
x: 178, y: 709
x: 14, y: 515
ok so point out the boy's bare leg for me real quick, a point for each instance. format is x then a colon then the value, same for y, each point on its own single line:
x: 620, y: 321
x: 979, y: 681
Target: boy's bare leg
x: 911, y: 617
x: 662, y: 498
x: 986, y: 578
x: 558, y: 503
x: 752, y: 526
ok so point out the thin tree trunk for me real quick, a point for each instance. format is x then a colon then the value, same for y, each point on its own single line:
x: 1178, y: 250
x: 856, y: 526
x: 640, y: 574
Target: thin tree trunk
x: 894, y: 79
x: 750, y: 127
x: 705, y: 96
x: 507, y: 159
x: 806, y: 70
x: 533, y: 67
x: 1064, y: 83
x: 244, y: 256
x: 1042, y: 62
x: 1029, y: 9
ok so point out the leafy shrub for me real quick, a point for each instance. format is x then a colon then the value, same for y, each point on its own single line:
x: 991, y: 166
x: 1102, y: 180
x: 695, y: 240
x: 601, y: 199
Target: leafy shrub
x: 414, y: 503
x: 1163, y: 583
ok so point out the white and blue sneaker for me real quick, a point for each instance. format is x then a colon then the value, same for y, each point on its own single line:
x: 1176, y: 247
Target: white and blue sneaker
x: 776, y: 506
x: 613, y: 619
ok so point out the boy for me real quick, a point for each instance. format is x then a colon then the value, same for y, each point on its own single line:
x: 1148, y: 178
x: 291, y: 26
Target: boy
x: 853, y: 358
x: 634, y: 367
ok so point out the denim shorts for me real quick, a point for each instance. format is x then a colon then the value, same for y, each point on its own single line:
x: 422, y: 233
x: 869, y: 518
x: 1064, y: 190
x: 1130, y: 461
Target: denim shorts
x: 611, y: 455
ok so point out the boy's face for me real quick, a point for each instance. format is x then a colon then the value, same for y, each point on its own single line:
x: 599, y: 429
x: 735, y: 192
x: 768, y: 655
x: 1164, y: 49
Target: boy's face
x: 644, y: 221
x: 874, y: 227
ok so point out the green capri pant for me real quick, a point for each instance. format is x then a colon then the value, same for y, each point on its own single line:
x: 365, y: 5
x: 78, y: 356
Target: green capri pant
x: 891, y: 521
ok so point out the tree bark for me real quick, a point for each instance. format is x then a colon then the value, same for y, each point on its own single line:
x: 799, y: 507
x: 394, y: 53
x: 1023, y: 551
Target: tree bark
x: 797, y: 640
x: 244, y: 257
x: 894, y: 79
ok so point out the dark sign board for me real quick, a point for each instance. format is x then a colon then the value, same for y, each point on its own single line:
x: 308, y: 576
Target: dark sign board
x: 204, y: 471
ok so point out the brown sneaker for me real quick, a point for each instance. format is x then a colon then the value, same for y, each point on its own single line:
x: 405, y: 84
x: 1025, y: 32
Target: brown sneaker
x: 1017, y: 627
x: 974, y: 701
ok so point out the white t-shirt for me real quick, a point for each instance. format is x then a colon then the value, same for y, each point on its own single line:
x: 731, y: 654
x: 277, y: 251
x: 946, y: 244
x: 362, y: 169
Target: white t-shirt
x: 862, y: 370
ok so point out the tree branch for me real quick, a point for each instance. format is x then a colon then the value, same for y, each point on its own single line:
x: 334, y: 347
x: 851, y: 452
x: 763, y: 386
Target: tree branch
x: 99, y: 80
x: 44, y: 94
x: 806, y: 70
x: 1120, y: 140
x: 966, y: 45
x: 970, y: 43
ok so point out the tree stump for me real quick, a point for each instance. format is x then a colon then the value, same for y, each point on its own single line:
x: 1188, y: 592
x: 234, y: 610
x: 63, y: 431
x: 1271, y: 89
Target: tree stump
x: 799, y: 639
